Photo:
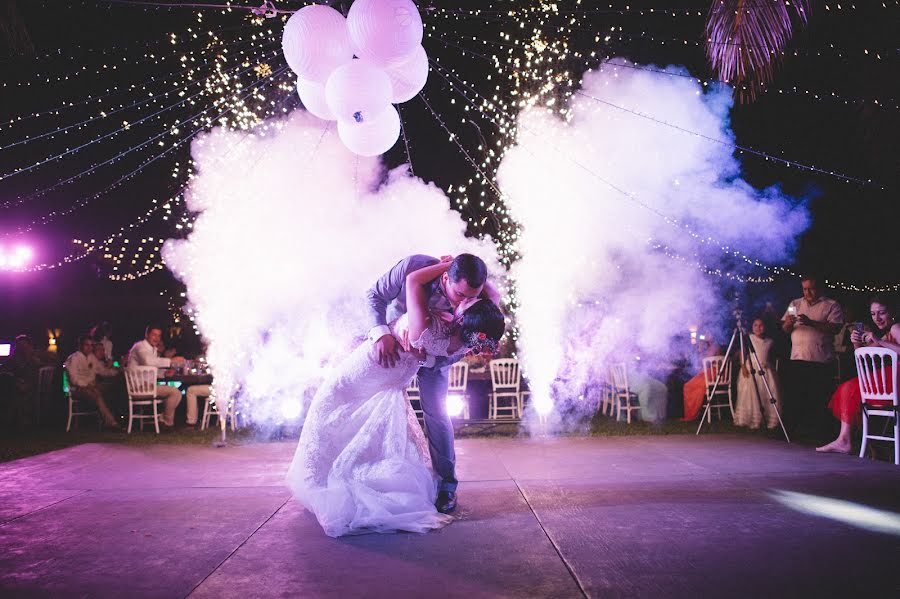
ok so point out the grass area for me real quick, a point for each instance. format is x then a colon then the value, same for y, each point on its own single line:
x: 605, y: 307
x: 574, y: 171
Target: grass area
x: 20, y: 443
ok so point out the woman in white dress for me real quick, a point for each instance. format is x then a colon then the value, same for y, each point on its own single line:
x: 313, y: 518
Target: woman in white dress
x: 362, y: 464
x: 750, y: 386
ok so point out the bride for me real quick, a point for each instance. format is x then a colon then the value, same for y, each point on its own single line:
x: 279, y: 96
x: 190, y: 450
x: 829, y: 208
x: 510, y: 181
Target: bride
x: 362, y: 464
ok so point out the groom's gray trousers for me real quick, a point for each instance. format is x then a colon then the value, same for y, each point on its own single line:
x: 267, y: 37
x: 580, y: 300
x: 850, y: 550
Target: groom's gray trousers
x: 433, y: 398
x: 386, y: 301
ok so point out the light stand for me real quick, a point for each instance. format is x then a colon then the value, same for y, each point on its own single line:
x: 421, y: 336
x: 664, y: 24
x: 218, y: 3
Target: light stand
x: 738, y: 334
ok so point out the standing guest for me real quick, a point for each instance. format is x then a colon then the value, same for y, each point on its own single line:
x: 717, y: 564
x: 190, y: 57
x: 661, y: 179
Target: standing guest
x: 751, y: 389
x: 846, y: 402
x: 143, y: 353
x: 83, y: 369
x: 811, y: 321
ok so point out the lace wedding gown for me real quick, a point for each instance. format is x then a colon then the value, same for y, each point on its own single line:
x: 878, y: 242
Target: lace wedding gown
x: 362, y: 464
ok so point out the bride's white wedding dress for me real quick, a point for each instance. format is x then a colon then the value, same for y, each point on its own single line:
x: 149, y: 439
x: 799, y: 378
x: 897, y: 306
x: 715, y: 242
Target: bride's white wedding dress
x: 362, y: 464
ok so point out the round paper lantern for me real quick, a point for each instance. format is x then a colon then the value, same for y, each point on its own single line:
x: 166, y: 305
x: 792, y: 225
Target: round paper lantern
x: 385, y: 31
x: 358, y: 91
x: 373, y: 137
x: 316, y: 41
x: 312, y: 94
x: 408, y: 77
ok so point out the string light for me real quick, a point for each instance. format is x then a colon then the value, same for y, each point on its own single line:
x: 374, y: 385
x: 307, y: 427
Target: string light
x: 237, y: 104
x: 125, y: 127
x: 532, y: 66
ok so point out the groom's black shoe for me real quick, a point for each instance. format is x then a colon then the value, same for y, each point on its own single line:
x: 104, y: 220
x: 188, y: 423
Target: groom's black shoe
x: 446, y: 502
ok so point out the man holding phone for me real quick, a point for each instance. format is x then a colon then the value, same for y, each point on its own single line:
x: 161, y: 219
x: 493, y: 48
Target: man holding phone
x: 812, y: 322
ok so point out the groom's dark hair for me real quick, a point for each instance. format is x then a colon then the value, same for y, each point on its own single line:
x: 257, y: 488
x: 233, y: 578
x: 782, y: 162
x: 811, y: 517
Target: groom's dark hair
x: 469, y: 268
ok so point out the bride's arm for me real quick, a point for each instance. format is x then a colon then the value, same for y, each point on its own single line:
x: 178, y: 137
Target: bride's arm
x: 416, y: 298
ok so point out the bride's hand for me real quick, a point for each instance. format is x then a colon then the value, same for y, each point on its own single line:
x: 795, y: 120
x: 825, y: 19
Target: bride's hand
x: 446, y: 258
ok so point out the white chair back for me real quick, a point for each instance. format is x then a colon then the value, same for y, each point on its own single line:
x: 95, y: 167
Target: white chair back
x: 877, y: 368
x: 141, y: 382
x: 458, y: 378
x: 505, y: 374
x: 619, y: 374
x: 711, y: 368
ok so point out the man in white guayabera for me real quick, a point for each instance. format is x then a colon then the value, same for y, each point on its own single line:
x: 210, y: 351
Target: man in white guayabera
x: 466, y: 279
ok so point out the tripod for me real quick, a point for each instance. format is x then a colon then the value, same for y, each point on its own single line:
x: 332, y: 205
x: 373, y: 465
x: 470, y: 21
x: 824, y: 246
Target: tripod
x: 750, y: 358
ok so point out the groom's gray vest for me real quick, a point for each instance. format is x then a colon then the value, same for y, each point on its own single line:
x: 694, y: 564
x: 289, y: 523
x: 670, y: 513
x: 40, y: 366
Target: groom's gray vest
x: 386, y: 299
x: 386, y: 302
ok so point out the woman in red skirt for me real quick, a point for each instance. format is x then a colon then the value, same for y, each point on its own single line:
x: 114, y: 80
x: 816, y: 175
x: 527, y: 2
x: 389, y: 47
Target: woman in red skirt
x: 846, y: 402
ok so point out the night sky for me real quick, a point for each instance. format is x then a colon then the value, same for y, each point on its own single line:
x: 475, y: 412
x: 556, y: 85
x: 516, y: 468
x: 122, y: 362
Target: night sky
x: 55, y: 52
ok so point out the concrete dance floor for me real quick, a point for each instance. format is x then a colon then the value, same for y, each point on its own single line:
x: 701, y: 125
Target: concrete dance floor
x: 676, y: 516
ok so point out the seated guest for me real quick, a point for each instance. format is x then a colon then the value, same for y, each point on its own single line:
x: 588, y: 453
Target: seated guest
x: 750, y: 387
x: 24, y: 364
x: 194, y: 393
x: 22, y: 374
x: 102, y: 335
x: 83, y: 369
x: 846, y: 403
x: 652, y: 394
x: 695, y: 388
x: 143, y: 353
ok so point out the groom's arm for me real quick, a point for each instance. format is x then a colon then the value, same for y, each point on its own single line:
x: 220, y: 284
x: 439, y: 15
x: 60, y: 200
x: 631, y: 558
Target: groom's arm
x: 386, y: 289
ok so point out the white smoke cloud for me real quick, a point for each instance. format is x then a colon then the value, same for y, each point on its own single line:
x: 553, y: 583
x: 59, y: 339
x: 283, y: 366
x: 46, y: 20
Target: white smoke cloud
x: 593, y: 285
x: 292, y: 229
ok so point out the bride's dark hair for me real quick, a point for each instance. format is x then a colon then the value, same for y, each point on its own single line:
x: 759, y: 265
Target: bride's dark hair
x: 482, y: 318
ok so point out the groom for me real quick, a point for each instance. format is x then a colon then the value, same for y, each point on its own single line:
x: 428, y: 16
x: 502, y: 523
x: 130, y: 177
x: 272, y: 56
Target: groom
x: 466, y: 278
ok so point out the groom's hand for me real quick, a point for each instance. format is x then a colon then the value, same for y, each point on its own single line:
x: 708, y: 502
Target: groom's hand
x: 387, y: 350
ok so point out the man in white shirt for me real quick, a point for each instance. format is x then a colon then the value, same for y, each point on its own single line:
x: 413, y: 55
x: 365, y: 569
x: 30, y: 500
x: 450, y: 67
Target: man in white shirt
x: 812, y: 322
x: 82, y: 368
x: 143, y: 353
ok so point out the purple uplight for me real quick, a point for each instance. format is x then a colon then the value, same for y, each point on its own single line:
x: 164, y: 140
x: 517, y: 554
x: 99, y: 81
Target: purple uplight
x: 16, y: 258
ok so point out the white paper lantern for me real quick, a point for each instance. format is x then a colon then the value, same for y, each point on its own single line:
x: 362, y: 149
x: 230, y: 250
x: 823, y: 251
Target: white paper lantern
x: 358, y: 91
x: 316, y: 41
x: 408, y: 77
x: 373, y: 137
x: 312, y: 94
x: 385, y: 31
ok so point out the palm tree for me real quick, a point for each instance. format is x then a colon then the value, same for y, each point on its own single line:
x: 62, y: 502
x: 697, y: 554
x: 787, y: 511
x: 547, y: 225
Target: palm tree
x: 745, y: 38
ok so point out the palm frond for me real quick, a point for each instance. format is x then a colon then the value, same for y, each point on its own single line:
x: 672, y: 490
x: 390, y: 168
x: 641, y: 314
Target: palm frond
x: 746, y: 38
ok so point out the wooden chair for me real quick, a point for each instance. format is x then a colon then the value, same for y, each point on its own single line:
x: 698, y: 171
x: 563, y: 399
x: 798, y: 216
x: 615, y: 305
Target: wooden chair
x: 458, y: 382
x: 878, y: 383
x: 140, y: 381
x: 79, y: 408
x: 625, y: 399
x: 722, y: 397
x: 607, y: 399
x: 211, y: 410
x: 505, y: 381
x: 414, y: 399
